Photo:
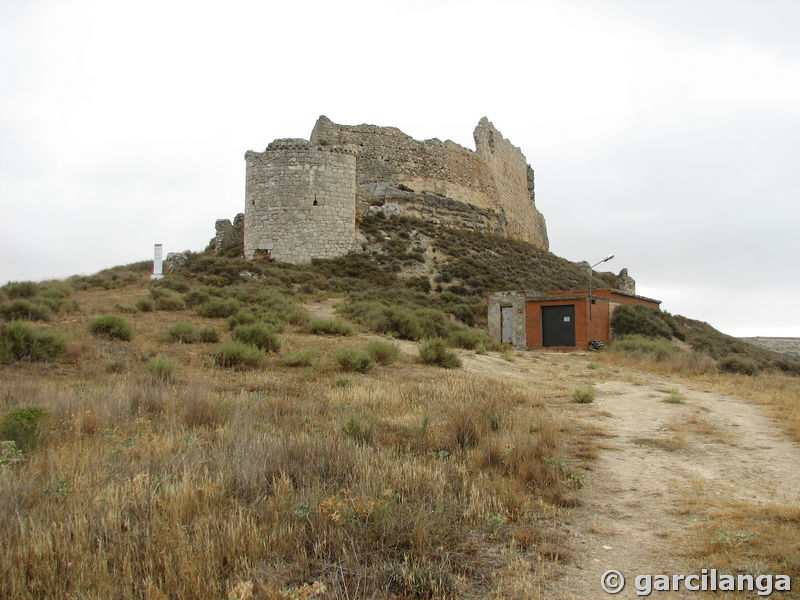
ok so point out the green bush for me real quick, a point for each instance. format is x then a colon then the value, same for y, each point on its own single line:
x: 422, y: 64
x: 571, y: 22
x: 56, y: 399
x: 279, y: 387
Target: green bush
x: 353, y: 359
x: 161, y: 368
x: 585, y: 394
x: 245, y: 316
x: 435, y: 352
x: 217, y: 308
x: 208, y: 335
x: 470, y: 338
x: 169, y: 300
x: 195, y: 297
x: 735, y: 363
x: 307, y: 357
x: 183, y: 332
x: 658, y: 349
x: 20, y: 289
x: 145, y: 304
x: 24, y: 310
x: 329, y: 327
x: 640, y: 320
x: 171, y: 282
x: 237, y: 354
x: 21, y: 341
x: 382, y: 352
x: 258, y: 335
x: 112, y: 327
x: 23, y: 427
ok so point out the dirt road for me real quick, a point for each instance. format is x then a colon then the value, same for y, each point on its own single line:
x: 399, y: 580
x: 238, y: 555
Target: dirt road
x: 666, y: 447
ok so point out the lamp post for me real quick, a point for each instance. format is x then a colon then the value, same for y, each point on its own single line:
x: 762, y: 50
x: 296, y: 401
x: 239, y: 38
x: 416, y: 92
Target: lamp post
x: 607, y: 258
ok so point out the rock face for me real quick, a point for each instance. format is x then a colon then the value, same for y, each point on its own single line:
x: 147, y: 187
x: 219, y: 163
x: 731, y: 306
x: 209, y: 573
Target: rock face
x: 174, y: 262
x: 304, y: 199
x: 625, y: 282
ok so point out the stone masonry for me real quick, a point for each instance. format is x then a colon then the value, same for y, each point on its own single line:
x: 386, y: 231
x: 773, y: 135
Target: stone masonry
x: 304, y: 199
x: 300, y: 201
x: 229, y: 235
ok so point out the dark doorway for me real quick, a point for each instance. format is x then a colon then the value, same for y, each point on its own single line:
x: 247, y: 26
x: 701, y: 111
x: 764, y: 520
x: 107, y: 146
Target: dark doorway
x: 558, y: 325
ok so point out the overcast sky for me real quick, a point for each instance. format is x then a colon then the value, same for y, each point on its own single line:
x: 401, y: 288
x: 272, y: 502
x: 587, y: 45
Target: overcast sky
x: 666, y: 132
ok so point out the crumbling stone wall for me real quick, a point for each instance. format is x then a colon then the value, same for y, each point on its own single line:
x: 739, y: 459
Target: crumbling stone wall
x: 300, y: 201
x: 229, y: 235
x: 394, y: 199
x: 495, y: 176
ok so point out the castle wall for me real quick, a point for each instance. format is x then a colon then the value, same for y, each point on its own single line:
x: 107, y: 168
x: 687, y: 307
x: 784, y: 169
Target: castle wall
x: 495, y: 176
x: 391, y: 199
x: 300, y: 201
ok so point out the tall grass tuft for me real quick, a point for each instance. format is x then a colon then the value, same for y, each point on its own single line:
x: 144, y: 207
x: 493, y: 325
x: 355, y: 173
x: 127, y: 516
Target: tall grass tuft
x: 584, y: 394
x: 161, y: 368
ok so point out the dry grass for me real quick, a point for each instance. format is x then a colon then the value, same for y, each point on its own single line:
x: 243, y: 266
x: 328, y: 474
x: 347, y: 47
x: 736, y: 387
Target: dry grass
x: 246, y: 484
x: 743, y: 538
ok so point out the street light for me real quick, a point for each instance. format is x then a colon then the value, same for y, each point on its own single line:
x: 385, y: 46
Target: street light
x: 607, y: 258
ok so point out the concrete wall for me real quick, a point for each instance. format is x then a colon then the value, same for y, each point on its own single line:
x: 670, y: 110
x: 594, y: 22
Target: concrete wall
x: 517, y: 301
x: 300, y: 201
x: 494, y: 176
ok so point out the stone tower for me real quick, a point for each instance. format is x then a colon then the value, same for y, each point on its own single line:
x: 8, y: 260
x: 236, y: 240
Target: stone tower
x: 300, y: 201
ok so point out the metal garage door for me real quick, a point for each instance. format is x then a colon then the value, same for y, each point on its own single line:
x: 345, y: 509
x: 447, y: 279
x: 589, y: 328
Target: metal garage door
x: 558, y: 325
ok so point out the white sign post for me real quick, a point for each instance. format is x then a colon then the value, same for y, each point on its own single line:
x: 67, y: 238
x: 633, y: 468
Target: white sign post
x: 157, y: 261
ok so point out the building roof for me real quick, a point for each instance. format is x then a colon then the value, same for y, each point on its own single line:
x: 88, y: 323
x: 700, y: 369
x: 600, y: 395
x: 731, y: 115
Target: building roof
x: 537, y: 296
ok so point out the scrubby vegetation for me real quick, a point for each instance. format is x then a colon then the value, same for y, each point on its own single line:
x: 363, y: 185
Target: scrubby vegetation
x: 645, y: 321
x: 238, y: 354
x: 584, y: 394
x: 112, y: 327
x: 329, y: 327
x: 180, y: 470
x: 435, y: 351
x: 21, y: 341
x: 354, y: 359
x: 647, y: 333
x: 381, y: 352
x: 183, y: 332
x: 259, y: 335
x: 307, y: 357
x: 23, y: 426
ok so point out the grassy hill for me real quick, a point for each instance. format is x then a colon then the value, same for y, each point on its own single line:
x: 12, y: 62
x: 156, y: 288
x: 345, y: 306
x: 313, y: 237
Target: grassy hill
x: 245, y: 429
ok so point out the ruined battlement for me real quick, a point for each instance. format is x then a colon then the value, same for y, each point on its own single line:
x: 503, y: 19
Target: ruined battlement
x: 304, y: 198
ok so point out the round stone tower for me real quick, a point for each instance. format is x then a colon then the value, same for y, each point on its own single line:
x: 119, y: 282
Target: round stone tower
x: 300, y: 201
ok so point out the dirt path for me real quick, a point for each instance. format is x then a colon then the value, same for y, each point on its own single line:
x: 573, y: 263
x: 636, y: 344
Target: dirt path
x: 658, y: 458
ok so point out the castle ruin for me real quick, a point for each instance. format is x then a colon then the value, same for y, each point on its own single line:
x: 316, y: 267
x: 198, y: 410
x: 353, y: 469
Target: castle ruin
x: 304, y: 199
